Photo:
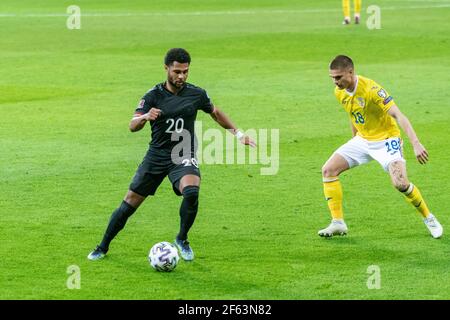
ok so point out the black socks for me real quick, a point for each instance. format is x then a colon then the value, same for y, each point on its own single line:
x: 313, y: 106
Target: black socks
x: 116, y: 223
x: 188, y: 210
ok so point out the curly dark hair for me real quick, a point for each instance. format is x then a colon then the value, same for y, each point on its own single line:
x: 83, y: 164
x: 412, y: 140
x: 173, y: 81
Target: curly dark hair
x: 177, y: 54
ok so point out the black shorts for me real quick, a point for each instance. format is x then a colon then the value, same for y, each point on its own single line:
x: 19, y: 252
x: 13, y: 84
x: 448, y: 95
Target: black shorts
x: 150, y: 175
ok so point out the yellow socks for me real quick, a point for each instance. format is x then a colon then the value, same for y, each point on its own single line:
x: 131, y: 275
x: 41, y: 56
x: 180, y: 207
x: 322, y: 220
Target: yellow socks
x: 332, y: 190
x: 414, y: 197
x: 357, y: 7
x: 346, y: 7
x: 333, y: 194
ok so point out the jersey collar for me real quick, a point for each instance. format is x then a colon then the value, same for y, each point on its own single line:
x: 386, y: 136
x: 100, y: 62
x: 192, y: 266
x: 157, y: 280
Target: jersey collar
x: 354, y: 90
x: 168, y: 91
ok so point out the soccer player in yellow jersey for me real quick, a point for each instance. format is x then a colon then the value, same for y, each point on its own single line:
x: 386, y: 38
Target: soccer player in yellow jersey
x: 346, y: 8
x: 374, y: 119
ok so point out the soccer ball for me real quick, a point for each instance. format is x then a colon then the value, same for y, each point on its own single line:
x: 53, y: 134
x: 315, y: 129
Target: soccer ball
x: 163, y: 256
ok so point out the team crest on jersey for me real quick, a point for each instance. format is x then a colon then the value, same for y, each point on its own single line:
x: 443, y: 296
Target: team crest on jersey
x: 382, y: 93
x: 361, y: 102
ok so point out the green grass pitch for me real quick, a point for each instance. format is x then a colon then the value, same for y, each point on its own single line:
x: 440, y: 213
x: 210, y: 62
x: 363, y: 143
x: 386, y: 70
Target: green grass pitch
x: 67, y: 157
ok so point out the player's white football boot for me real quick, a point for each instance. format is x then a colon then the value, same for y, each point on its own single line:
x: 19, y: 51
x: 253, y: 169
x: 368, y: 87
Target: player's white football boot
x: 336, y: 227
x: 185, y: 249
x: 97, y: 254
x: 434, y: 226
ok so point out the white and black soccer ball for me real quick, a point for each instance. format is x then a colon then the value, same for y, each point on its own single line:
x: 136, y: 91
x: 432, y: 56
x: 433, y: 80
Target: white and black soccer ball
x: 163, y: 256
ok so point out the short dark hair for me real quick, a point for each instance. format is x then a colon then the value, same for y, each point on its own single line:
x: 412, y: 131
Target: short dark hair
x: 341, y: 62
x: 177, y: 54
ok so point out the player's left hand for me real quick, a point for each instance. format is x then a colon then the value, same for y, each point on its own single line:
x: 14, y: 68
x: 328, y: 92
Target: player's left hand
x: 248, y: 141
x: 421, y: 153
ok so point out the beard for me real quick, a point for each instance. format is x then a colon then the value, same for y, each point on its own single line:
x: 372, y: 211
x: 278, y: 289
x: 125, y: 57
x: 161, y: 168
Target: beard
x: 177, y: 84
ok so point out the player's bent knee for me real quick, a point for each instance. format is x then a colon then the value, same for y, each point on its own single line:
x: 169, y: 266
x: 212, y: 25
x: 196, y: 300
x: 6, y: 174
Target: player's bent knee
x: 329, y: 172
x: 325, y: 171
x: 134, y: 199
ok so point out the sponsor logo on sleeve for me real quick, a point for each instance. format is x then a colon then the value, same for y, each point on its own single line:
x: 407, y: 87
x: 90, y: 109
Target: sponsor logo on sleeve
x: 387, y: 100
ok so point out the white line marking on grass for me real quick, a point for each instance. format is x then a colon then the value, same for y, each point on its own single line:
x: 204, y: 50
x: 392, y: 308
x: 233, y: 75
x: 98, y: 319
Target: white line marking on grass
x: 203, y: 13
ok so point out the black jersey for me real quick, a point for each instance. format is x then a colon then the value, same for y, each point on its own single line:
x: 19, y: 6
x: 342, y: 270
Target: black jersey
x: 177, y: 118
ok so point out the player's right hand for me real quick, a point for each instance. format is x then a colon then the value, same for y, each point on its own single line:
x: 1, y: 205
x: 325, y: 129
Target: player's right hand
x: 153, y: 114
x: 248, y: 141
x: 421, y: 153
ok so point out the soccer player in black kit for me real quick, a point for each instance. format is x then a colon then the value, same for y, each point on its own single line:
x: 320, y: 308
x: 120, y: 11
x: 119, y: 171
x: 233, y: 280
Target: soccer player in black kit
x: 171, y: 108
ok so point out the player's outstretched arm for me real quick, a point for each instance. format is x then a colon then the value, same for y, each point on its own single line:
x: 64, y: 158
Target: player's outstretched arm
x: 138, y: 121
x: 404, y: 123
x: 222, y: 119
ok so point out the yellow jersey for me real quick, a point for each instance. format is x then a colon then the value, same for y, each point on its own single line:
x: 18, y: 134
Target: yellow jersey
x: 367, y: 107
